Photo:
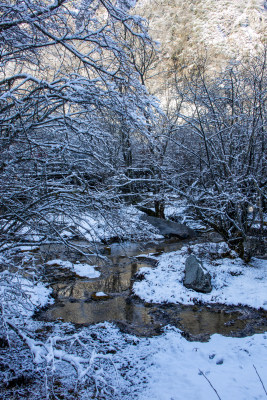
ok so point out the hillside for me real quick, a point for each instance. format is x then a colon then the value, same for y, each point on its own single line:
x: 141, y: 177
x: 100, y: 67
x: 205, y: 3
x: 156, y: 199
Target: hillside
x: 214, y: 30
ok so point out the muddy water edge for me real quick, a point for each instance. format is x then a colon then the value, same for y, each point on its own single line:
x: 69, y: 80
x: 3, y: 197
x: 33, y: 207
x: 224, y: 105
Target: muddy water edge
x: 84, y: 301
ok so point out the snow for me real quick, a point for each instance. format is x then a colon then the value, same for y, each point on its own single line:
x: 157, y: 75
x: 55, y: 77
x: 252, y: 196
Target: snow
x: 30, y: 234
x: 28, y: 248
x: 173, y: 368
x: 126, y: 4
x: 101, y: 294
x: 124, y: 223
x: 86, y: 270
x: 179, y: 210
x: 38, y: 293
x: 81, y: 269
x: 233, y: 281
x: 168, y: 367
x: 20, y: 296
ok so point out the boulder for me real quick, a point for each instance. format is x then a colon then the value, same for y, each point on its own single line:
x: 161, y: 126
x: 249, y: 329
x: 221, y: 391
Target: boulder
x: 196, y: 276
x: 169, y: 228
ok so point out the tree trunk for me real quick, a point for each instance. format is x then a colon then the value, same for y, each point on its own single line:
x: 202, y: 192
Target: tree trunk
x: 159, y: 208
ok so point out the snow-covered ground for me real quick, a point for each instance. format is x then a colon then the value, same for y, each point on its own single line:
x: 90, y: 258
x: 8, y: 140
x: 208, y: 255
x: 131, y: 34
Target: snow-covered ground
x: 123, y: 222
x: 233, y: 281
x: 168, y: 367
x: 178, y: 211
x: 81, y: 269
x: 175, y: 369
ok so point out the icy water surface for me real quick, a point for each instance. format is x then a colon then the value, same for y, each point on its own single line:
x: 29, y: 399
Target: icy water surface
x: 86, y: 301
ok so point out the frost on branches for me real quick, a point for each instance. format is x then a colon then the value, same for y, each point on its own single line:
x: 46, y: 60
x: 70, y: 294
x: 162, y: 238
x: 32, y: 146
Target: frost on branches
x: 218, y: 148
x: 69, y: 95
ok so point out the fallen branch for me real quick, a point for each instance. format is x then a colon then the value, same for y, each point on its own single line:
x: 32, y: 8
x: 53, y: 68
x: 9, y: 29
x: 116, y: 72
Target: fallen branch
x: 48, y: 353
x: 207, y: 379
x: 260, y: 379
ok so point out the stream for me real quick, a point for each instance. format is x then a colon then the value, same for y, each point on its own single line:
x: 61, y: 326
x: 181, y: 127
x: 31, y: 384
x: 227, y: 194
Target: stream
x: 84, y: 301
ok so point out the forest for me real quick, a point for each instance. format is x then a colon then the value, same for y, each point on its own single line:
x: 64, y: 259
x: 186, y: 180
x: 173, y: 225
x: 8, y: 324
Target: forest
x: 88, y: 154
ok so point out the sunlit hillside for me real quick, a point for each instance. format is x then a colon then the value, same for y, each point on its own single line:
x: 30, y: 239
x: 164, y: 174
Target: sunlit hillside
x: 217, y: 30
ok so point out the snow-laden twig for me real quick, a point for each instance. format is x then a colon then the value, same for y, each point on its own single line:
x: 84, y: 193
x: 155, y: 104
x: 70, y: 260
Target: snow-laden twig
x: 48, y: 353
x: 54, y: 351
x: 207, y: 379
x: 260, y: 379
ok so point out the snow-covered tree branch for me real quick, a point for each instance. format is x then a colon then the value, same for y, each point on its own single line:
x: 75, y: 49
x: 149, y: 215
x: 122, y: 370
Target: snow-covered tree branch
x: 65, y: 70
x: 222, y: 138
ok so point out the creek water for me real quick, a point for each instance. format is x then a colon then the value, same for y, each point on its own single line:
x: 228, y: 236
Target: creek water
x: 84, y: 301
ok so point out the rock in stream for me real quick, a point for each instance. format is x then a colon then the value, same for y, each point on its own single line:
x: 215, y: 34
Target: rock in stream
x: 196, y: 277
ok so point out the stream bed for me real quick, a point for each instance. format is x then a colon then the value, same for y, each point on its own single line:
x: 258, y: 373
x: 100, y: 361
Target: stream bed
x: 109, y: 297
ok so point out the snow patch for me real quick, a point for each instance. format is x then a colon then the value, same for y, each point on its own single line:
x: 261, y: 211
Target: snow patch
x: 84, y: 270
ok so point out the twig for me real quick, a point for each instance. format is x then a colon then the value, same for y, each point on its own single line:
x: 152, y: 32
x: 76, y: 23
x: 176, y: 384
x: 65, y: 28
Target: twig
x: 207, y: 379
x: 260, y: 379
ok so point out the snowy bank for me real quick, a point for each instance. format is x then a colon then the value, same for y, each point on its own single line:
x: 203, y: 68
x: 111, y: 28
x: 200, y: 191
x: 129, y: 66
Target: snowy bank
x: 168, y: 367
x: 233, y: 281
x: 177, y: 369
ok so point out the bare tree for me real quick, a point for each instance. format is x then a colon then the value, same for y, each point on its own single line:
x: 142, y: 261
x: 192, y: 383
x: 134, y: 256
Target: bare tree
x: 222, y: 140
x: 63, y: 66
x: 67, y: 84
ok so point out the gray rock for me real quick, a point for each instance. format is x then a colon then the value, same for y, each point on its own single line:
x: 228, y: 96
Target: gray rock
x: 169, y: 228
x: 196, y: 276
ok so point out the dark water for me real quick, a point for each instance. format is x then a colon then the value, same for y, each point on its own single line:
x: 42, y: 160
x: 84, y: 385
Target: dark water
x: 77, y: 302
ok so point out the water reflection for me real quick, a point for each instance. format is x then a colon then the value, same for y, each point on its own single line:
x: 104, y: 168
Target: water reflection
x: 113, y: 280
x: 115, y: 309
x: 209, y: 321
x: 145, y: 320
